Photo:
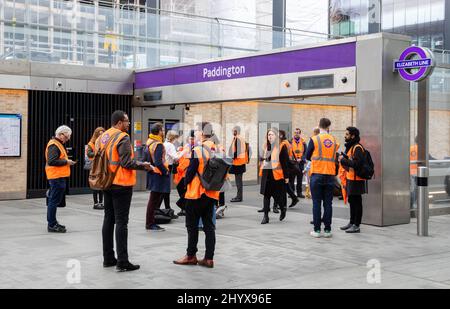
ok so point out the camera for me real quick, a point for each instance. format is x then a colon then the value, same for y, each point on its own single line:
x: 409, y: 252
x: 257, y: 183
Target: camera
x: 344, y: 79
x: 59, y: 84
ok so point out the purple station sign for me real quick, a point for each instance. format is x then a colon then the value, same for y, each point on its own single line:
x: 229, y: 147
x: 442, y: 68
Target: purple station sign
x: 303, y: 60
x: 415, y: 64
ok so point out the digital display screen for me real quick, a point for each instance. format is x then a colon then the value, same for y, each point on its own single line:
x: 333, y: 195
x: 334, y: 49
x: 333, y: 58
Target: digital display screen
x: 316, y: 82
x: 153, y: 96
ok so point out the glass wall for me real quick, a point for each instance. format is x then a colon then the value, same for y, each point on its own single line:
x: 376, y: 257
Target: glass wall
x: 439, y: 137
x: 128, y: 35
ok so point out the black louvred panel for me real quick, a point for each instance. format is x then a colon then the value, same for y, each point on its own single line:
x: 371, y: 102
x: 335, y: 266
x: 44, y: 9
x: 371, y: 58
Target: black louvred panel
x: 82, y: 112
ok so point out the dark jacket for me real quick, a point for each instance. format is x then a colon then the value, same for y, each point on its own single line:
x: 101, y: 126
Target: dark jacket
x: 267, y: 180
x: 156, y: 182
x: 354, y: 187
x: 53, y: 155
x: 239, y: 169
x: 125, y: 159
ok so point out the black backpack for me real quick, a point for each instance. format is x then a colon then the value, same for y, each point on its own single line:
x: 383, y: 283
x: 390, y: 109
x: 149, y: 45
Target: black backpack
x: 367, y: 168
x: 163, y: 216
x: 214, y: 171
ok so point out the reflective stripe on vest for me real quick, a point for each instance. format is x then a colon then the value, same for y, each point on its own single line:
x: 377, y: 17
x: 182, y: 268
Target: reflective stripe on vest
x: 323, y: 160
x: 152, y: 144
x: 298, y: 148
x: 124, y: 177
x: 277, y: 170
x: 195, y: 188
x: 242, y: 156
x: 54, y: 172
x: 351, y: 175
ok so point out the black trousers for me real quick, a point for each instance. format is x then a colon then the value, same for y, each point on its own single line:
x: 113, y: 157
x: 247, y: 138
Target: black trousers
x: 356, y: 210
x: 181, y: 189
x: 196, y: 209
x: 117, y: 210
x: 98, y: 196
x: 239, y: 185
x: 298, y: 187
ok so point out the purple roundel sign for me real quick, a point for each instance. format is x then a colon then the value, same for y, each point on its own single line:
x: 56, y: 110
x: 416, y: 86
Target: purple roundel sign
x: 415, y: 64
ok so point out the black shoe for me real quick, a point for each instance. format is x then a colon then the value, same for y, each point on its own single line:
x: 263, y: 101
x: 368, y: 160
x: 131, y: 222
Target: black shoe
x: 63, y: 226
x: 265, y: 220
x: 300, y: 196
x: 261, y: 210
x: 353, y: 229
x: 275, y: 210
x: 311, y: 222
x: 99, y: 206
x: 155, y: 227
x: 346, y: 227
x: 110, y: 264
x: 294, y: 202
x: 236, y: 199
x: 127, y: 267
x: 174, y: 216
x: 56, y: 229
x: 283, y: 214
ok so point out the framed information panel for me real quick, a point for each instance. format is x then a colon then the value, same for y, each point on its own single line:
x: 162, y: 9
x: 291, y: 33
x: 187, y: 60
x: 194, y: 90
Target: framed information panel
x: 10, y: 135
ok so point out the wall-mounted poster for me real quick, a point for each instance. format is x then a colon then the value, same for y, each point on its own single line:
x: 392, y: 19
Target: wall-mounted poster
x: 10, y: 135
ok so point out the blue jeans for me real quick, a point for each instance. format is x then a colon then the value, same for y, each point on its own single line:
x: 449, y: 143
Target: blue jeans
x: 322, y: 190
x: 55, y: 196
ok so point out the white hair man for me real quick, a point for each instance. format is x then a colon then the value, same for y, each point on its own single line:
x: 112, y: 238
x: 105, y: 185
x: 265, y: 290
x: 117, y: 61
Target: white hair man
x: 57, y: 169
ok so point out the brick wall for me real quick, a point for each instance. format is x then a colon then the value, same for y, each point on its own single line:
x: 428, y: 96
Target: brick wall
x: 13, y: 183
x: 307, y: 117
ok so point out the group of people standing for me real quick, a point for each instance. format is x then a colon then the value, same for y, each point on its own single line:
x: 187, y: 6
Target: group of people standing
x: 186, y: 164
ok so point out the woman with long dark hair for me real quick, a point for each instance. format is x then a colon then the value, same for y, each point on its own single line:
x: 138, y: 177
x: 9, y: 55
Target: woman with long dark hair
x: 90, y: 153
x: 274, y: 173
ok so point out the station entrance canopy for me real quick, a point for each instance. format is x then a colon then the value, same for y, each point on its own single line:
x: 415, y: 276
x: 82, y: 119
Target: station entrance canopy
x: 361, y: 66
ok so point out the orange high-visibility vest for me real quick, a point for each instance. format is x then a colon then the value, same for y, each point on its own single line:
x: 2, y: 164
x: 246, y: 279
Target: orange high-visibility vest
x: 413, y: 156
x: 54, y: 172
x: 323, y: 160
x: 277, y: 171
x: 124, y: 177
x: 195, y: 189
x: 298, y: 148
x: 351, y: 174
x: 183, y: 164
x: 90, y: 144
x: 152, y: 144
x: 242, y: 156
x: 288, y: 148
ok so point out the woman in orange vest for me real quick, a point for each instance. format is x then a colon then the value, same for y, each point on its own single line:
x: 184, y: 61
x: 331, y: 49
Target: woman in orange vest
x: 355, y: 185
x: 238, y: 153
x: 274, y: 174
x: 57, y: 169
x: 90, y: 153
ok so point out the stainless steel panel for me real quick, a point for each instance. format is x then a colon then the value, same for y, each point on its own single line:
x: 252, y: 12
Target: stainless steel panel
x: 76, y: 85
x: 42, y: 83
x: 14, y: 81
x: 98, y: 86
x: 14, y: 67
x: 383, y: 119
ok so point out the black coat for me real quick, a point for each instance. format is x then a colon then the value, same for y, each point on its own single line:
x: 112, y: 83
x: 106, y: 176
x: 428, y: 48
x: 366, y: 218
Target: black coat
x: 355, y: 187
x: 268, y: 184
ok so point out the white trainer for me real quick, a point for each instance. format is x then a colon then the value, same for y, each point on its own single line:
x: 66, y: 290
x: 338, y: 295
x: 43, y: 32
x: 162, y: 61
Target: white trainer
x: 315, y: 234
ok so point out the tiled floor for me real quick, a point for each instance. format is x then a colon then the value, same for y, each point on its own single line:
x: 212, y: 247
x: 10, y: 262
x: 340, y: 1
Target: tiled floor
x: 248, y: 254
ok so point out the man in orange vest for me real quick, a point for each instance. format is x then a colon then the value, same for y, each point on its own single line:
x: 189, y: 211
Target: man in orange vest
x: 238, y: 153
x: 57, y: 169
x: 299, y: 150
x: 200, y: 202
x: 321, y: 152
x: 118, y: 197
x: 355, y: 185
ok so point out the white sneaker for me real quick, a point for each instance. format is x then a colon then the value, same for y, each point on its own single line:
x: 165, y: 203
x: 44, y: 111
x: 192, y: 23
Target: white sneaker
x: 220, y: 211
x: 315, y: 234
x: 327, y: 234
